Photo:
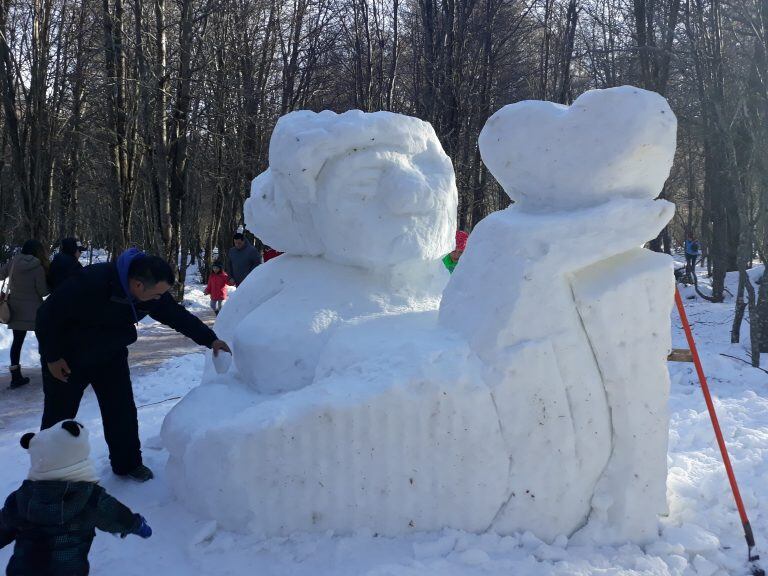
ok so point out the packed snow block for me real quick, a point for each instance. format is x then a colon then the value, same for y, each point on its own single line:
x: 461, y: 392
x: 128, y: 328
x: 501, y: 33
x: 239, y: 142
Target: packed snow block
x: 625, y: 303
x: 405, y: 444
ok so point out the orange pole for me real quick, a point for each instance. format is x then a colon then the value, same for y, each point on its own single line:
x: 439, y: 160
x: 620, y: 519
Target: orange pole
x: 716, y: 425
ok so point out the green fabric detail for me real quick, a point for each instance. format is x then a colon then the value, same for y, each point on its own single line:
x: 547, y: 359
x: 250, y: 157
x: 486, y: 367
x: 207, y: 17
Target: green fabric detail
x: 450, y: 263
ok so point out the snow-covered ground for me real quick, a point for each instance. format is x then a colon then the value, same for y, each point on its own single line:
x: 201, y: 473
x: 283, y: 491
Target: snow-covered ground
x: 701, y: 536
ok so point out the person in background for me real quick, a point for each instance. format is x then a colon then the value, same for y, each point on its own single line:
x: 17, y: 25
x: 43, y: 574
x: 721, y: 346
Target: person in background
x: 452, y: 258
x: 27, y: 275
x: 66, y: 263
x: 242, y: 259
x: 270, y: 253
x: 217, y: 287
x: 54, y: 514
x: 692, y: 253
x: 84, y: 330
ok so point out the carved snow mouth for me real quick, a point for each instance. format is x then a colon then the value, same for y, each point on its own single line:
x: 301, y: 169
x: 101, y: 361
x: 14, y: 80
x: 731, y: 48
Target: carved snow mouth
x: 618, y: 142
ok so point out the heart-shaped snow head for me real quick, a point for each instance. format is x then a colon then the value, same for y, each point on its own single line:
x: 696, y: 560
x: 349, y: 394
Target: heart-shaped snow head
x: 618, y: 142
x: 369, y: 190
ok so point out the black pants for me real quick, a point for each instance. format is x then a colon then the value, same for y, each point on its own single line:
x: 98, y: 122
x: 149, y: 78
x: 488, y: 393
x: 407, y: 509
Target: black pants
x: 18, y: 342
x: 690, y: 263
x: 111, y: 382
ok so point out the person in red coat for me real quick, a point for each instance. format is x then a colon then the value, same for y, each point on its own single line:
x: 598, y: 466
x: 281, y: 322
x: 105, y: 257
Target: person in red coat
x: 217, y: 286
x: 270, y: 253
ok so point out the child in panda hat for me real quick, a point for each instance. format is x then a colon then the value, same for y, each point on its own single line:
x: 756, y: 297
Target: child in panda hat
x: 53, y: 515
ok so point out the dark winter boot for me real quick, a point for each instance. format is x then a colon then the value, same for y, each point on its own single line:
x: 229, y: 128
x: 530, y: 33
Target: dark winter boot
x: 140, y: 474
x: 17, y: 380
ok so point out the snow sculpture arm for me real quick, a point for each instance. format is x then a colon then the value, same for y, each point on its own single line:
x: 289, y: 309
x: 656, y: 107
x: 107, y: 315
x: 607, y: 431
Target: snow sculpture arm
x: 569, y: 241
x: 169, y: 312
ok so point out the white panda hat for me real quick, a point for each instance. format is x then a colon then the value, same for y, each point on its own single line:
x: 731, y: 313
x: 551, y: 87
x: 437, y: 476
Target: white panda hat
x: 61, y: 452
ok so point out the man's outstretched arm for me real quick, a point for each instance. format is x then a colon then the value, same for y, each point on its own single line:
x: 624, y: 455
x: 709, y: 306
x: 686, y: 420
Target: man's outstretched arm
x: 172, y: 314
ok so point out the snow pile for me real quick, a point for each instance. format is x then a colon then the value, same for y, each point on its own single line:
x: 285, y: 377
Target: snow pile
x: 535, y: 399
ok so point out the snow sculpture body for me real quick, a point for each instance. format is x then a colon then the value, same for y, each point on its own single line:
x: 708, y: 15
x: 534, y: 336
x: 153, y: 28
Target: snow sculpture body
x: 534, y: 399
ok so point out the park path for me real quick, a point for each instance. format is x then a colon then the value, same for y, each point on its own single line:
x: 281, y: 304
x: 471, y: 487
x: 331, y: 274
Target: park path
x: 156, y: 344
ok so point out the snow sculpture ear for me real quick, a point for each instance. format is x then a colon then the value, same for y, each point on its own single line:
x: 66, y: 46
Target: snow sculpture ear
x: 285, y: 225
x: 26, y: 439
x: 72, y: 427
x: 610, y: 143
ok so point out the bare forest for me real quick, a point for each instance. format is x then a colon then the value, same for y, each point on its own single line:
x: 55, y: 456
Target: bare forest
x: 142, y: 122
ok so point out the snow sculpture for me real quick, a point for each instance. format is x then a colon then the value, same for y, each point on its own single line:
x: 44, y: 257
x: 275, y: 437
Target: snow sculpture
x: 370, y: 201
x: 533, y: 399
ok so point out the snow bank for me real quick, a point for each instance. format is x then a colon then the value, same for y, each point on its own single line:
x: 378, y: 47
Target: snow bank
x: 533, y: 399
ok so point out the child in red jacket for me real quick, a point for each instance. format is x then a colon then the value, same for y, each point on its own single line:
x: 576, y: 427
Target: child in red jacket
x: 217, y: 286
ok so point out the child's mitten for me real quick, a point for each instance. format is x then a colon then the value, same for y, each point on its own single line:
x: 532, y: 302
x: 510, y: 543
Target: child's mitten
x: 143, y: 530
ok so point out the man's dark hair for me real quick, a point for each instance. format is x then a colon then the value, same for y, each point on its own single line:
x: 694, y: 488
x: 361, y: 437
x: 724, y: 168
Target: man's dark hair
x: 238, y: 236
x: 70, y: 246
x: 150, y: 271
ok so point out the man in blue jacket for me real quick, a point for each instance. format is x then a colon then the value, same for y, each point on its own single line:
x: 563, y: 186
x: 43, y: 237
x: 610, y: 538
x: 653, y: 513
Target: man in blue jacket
x: 692, y: 253
x: 84, y: 329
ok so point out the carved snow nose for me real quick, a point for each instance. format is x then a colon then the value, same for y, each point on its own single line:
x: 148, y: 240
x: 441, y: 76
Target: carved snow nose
x: 406, y: 191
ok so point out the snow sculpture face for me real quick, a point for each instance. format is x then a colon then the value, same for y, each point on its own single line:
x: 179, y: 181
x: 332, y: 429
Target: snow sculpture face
x: 361, y: 189
x: 605, y: 145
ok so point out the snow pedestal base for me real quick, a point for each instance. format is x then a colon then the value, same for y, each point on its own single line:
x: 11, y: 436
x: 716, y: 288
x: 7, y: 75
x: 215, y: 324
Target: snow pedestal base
x: 393, y: 445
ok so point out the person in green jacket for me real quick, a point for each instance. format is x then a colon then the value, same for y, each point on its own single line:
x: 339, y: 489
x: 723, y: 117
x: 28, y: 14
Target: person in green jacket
x: 452, y: 258
x: 54, y: 514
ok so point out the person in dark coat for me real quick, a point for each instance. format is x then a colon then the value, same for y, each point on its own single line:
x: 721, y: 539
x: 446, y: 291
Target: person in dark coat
x: 84, y: 330
x: 28, y: 284
x: 692, y: 253
x: 66, y: 263
x: 54, y: 514
x: 242, y: 258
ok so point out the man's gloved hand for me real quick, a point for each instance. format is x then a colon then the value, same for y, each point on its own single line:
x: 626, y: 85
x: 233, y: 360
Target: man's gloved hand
x: 218, y: 346
x: 59, y: 369
x: 143, y: 530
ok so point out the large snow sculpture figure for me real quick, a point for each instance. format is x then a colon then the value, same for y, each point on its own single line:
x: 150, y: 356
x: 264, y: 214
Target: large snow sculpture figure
x: 371, y: 198
x: 570, y: 315
x: 535, y: 399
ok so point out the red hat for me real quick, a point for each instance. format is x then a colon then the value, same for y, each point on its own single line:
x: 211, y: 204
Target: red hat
x: 461, y: 240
